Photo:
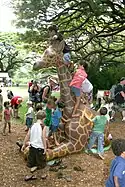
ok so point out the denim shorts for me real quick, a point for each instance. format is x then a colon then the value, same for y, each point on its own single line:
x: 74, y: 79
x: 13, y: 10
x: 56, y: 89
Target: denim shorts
x: 29, y: 122
x: 76, y: 91
x: 67, y: 58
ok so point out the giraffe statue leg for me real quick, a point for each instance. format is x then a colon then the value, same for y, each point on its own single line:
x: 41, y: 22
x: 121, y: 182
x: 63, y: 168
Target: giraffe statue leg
x: 60, y: 151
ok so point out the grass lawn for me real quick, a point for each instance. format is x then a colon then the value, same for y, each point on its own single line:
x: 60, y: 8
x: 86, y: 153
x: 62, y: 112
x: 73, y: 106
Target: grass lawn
x: 56, y: 94
x: 22, y: 112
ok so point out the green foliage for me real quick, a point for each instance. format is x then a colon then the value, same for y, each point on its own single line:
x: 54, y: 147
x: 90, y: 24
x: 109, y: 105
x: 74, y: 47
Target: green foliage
x: 93, y: 29
x: 106, y: 77
x: 11, y: 53
x: 22, y: 111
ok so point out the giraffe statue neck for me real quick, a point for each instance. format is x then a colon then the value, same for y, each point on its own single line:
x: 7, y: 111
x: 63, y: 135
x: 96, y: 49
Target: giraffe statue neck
x: 65, y: 95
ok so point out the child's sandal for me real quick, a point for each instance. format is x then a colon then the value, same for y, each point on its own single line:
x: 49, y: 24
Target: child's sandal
x: 31, y: 177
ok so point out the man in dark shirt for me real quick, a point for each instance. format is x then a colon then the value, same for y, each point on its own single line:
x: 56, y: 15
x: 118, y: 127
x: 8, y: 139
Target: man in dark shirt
x: 120, y: 96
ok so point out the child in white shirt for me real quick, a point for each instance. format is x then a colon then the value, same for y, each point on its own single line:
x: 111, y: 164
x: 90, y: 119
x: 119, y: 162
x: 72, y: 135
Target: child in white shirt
x: 36, y: 138
x: 87, y: 89
x: 29, y: 115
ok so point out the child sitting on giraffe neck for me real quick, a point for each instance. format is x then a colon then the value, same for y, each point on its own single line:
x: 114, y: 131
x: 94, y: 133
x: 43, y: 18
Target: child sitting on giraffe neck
x: 58, y: 43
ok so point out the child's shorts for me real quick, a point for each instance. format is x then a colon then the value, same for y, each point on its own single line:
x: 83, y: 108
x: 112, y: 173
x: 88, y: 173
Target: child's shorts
x: 7, y: 121
x: 67, y: 58
x: 53, y: 128
x: 29, y: 122
x: 36, y: 157
x: 76, y: 91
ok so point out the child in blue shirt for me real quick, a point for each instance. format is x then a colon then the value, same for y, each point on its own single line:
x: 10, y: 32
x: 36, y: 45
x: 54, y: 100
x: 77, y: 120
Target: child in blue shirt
x: 117, y: 171
x: 56, y: 117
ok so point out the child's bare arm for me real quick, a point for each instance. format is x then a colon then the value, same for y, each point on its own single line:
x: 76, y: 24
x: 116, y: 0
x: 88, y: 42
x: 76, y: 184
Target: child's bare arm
x: 44, y: 139
x: 45, y: 93
x: 65, y: 120
x: 27, y: 138
x: 116, y: 181
x: 88, y: 118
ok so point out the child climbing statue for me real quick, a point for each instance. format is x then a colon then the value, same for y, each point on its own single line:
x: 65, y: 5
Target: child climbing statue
x: 76, y: 84
x: 57, y: 41
x: 48, y: 119
x: 100, y: 125
x: 87, y: 89
x: 56, y: 117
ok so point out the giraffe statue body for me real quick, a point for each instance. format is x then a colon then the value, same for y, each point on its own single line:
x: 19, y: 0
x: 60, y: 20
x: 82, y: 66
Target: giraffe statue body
x: 77, y: 131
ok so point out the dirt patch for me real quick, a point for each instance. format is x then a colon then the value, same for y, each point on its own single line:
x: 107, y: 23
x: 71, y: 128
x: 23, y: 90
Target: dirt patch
x: 13, y: 167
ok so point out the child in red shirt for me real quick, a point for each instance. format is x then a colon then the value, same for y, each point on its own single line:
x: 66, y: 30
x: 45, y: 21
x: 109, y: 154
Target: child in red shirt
x: 7, y: 117
x: 15, y: 104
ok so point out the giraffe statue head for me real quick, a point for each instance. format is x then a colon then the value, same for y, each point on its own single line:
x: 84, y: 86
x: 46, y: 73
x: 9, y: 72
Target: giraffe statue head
x: 49, y: 58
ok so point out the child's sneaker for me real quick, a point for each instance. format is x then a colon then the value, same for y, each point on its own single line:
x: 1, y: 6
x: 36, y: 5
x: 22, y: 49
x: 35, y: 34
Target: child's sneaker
x: 88, y: 151
x: 33, y: 169
x: 123, y: 119
x: 101, y: 156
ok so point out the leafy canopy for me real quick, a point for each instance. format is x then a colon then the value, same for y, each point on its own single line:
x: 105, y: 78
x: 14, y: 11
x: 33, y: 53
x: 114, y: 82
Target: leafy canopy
x: 94, y: 29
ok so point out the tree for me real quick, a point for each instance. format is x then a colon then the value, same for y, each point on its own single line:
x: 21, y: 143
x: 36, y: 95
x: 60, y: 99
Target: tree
x: 13, y: 55
x: 94, y: 29
x: 9, y: 57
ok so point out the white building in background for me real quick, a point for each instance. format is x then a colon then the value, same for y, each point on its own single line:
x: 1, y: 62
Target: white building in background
x: 4, y: 79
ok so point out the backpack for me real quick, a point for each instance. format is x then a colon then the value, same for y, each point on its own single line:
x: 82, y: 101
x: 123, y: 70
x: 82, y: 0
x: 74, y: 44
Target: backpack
x: 118, y: 96
x: 10, y: 94
x: 42, y: 90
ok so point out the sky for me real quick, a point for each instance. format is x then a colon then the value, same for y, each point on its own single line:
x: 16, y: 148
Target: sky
x: 6, y: 17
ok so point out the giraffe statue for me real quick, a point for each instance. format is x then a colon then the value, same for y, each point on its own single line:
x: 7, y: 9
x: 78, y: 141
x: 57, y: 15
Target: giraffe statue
x: 77, y: 130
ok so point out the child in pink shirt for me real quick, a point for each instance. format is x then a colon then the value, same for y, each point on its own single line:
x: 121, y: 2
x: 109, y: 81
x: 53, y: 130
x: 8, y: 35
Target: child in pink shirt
x: 76, y: 84
x: 7, y: 117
